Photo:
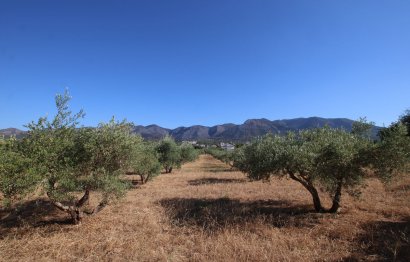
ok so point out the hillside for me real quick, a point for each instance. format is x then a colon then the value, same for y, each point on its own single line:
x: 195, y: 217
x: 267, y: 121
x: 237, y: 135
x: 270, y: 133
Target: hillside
x: 12, y: 132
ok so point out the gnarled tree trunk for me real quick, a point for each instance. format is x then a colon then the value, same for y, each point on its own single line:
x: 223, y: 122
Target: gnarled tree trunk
x: 336, y: 198
x: 315, y: 195
x: 306, y: 183
x: 142, y: 179
x: 316, y: 199
x: 74, y: 210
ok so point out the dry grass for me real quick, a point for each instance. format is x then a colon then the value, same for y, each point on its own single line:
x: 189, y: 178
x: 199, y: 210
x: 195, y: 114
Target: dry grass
x: 205, y: 212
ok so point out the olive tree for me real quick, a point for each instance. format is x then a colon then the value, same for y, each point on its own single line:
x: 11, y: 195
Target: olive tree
x: 362, y: 128
x: 215, y: 152
x: 188, y: 153
x: 391, y: 156
x: 73, y: 161
x: 405, y: 120
x: 16, y: 174
x: 169, y: 154
x: 233, y: 156
x: 144, y: 162
x: 106, y: 157
x: 327, y: 157
x: 222, y: 155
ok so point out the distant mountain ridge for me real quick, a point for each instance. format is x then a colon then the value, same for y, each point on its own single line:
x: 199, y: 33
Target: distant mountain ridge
x: 12, y: 132
x: 249, y: 129
x: 230, y: 132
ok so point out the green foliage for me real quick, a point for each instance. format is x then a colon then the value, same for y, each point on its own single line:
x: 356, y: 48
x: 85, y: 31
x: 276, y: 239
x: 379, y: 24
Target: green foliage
x: 392, y: 154
x: 215, y: 152
x: 362, y: 128
x: 16, y: 175
x: 56, y: 149
x: 144, y: 161
x: 105, y: 154
x: 65, y: 160
x: 325, y: 156
x: 260, y: 159
x: 228, y: 157
x: 169, y: 154
x: 188, y: 153
x: 405, y: 120
x: 339, y: 160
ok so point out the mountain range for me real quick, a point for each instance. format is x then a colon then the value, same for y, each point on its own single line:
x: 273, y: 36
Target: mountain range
x: 249, y: 129
x: 230, y: 132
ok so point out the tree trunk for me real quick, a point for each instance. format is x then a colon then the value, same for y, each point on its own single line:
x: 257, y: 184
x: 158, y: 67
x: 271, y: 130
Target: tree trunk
x: 142, y: 179
x: 84, y: 199
x: 100, y: 206
x: 73, y: 211
x: 315, y: 195
x: 316, y: 199
x: 312, y: 190
x: 148, y: 178
x: 336, y: 199
x: 76, y: 216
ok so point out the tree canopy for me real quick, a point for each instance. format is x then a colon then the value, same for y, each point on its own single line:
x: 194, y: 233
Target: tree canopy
x: 169, y: 154
x: 331, y: 158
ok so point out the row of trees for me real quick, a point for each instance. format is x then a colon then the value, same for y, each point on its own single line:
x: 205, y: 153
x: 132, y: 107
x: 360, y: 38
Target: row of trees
x: 67, y: 162
x: 332, y: 159
x: 166, y: 154
x: 171, y: 155
x: 226, y: 156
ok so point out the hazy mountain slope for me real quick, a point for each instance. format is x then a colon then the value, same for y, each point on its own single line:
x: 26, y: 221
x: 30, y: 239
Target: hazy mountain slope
x: 12, y: 132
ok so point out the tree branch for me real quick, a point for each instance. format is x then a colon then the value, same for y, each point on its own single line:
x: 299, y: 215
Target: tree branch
x: 61, y: 206
x: 98, y: 208
x: 84, y: 199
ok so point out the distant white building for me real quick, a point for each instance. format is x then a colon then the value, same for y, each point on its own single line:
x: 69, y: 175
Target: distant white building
x: 227, y: 146
x: 190, y: 142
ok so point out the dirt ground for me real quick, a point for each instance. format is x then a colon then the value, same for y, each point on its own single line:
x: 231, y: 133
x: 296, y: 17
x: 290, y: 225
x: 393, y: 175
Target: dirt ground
x: 207, y: 212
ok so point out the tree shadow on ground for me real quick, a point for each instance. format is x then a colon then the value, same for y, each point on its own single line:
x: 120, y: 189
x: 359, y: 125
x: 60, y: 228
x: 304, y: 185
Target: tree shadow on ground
x: 135, y: 183
x: 400, y: 188
x: 35, y: 213
x: 213, y: 180
x: 216, y: 214
x: 214, y: 166
x: 132, y: 179
x: 383, y: 241
x: 218, y: 170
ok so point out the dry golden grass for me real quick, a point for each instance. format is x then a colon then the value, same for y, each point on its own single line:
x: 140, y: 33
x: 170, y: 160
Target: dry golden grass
x: 206, y: 212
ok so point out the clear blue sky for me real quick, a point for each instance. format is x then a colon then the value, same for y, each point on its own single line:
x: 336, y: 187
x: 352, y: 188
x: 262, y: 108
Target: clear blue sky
x: 179, y: 63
